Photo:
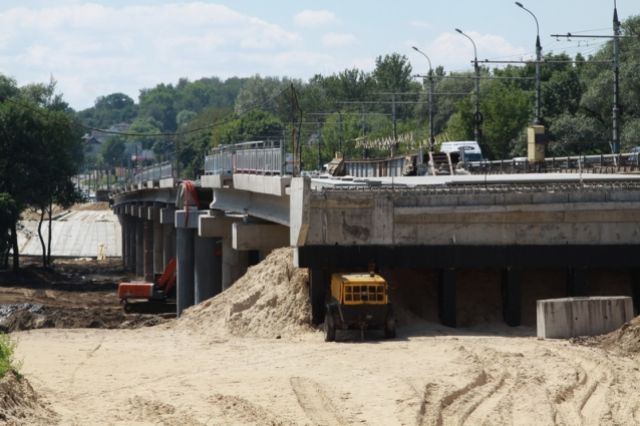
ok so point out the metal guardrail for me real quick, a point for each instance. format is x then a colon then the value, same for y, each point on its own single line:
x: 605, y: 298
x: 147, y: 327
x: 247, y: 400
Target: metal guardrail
x: 603, y: 163
x: 396, y: 166
x: 154, y: 173
x: 255, y: 157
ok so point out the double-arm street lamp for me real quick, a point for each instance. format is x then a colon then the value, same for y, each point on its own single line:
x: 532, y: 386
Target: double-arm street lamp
x: 538, y: 60
x: 477, y: 117
x: 432, y: 139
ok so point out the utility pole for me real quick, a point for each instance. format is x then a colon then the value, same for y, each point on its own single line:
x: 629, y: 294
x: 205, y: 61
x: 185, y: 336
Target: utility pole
x: 341, y: 133
x: 432, y: 139
x: 615, y: 137
x: 395, y: 131
x: 615, y: 140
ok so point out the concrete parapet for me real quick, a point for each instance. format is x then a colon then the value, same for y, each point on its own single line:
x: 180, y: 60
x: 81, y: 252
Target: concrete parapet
x: 212, y: 181
x: 582, y: 316
x: 271, y: 185
x: 167, y: 183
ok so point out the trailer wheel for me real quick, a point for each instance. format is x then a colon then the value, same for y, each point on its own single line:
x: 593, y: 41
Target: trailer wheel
x: 329, y: 327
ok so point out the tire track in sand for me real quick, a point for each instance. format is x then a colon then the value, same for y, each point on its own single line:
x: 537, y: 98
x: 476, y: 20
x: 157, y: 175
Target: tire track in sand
x: 315, y: 403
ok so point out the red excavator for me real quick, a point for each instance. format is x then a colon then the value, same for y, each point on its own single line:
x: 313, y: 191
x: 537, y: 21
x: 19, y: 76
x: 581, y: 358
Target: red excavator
x: 146, y: 297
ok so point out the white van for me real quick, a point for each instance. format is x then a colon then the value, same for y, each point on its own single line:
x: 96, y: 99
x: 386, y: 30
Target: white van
x: 468, y: 150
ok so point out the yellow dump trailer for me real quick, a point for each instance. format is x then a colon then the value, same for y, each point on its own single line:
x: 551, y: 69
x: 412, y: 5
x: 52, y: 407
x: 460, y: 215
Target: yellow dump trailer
x: 359, y: 301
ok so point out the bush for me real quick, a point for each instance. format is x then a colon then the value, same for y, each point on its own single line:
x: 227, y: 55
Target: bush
x: 7, y: 349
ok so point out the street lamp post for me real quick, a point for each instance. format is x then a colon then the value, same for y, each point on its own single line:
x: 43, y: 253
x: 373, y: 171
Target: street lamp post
x: 477, y: 118
x: 432, y: 139
x: 538, y: 60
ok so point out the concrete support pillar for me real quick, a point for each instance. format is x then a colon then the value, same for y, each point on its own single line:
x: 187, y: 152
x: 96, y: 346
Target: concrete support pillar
x: 205, y: 269
x: 168, y: 244
x: 185, y: 268
x: 158, y: 248
x: 253, y: 257
x: 234, y: 263
x: 318, y: 287
x: 577, y: 282
x: 131, y: 244
x: 122, y: 219
x: 512, y: 296
x: 139, y: 263
x: 447, y: 297
x: 148, y: 250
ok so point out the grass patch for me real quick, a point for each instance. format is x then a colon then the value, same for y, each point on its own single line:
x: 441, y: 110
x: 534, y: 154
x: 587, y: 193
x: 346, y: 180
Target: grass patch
x: 7, y: 349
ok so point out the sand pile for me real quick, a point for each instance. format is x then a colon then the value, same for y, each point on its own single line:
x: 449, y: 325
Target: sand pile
x: 625, y: 340
x: 18, y: 402
x: 270, y: 300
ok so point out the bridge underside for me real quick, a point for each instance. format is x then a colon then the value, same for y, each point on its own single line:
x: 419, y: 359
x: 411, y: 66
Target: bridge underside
x: 463, y: 285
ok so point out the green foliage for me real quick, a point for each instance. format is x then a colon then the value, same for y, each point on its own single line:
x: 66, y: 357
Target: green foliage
x: 7, y: 350
x: 112, y: 151
x: 40, y: 150
x: 109, y: 110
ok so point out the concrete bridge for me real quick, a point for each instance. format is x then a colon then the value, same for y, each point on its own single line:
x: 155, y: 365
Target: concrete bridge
x: 448, y: 244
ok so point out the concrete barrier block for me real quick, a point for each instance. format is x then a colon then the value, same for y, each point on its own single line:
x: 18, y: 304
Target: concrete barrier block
x: 582, y: 316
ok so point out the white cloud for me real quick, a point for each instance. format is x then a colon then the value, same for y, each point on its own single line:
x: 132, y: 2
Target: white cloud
x: 455, y: 52
x: 338, y: 39
x: 93, y: 50
x: 314, y: 18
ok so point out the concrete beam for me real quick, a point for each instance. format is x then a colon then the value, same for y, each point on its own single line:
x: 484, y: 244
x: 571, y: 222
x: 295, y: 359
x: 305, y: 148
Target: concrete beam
x: 268, y: 207
x: 258, y: 236
x: 271, y: 185
x: 212, y: 226
x: 213, y: 181
x: 188, y: 218
x: 583, y: 316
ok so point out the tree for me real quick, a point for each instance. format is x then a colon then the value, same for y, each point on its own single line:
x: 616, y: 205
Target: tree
x: 40, y: 149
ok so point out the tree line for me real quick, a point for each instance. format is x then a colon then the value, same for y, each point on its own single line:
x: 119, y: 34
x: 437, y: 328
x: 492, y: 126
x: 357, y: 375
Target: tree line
x: 330, y: 112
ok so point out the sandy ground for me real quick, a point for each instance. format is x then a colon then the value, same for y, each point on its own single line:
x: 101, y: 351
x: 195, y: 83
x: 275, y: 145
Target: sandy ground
x: 249, y: 357
x: 427, y: 376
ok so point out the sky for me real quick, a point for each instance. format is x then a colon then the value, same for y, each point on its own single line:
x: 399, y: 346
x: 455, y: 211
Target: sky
x: 94, y: 48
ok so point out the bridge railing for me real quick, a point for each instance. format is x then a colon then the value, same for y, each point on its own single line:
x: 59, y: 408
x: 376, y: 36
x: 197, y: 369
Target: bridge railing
x: 378, y: 167
x: 153, y: 173
x: 601, y: 163
x: 255, y: 157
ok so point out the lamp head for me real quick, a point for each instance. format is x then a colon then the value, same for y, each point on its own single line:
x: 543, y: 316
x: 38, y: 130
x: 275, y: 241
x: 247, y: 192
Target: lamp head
x: 459, y: 30
x: 519, y: 4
